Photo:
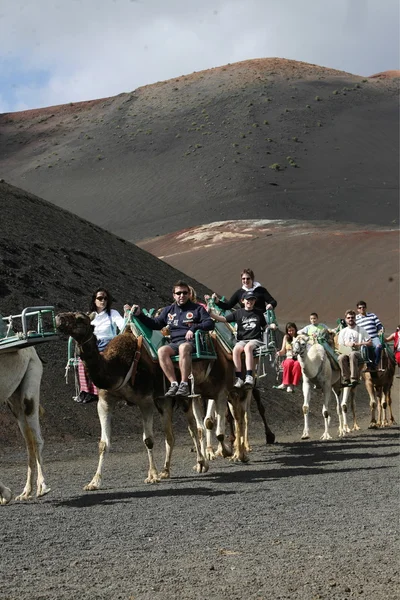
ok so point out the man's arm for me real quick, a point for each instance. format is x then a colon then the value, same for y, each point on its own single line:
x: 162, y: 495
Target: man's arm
x: 205, y: 324
x: 154, y: 323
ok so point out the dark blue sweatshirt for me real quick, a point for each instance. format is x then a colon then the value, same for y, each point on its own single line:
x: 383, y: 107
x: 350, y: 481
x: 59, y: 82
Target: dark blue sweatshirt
x: 179, y: 319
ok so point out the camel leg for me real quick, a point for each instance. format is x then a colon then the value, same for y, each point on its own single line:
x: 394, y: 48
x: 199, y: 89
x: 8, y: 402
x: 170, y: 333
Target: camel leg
x: 165, y: 408
x: 209, y: 422
x: 269, y: 435
x: 146, y: 407
x: 337, y: 393
x: 5, y: 494
x: 388, y: 396
x: 221, y: 405
x: 198, y: 413
x: 306, y: 407
x: 325, y: 411
x: 105, y: 407
x: 25, y: 406
x: 237, y: 408
x: 202, y: 463
x: 353, y: 410
x: 343, y: 405
x: 246, y: 442
x: 372, y: 400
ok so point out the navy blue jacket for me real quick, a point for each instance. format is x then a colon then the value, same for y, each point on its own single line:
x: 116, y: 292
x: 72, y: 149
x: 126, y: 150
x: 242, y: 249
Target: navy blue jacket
x: 179, y: 319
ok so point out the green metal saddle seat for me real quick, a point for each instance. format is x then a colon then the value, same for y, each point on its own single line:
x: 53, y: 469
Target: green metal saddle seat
x: 154, y: 339
x: 37, y: 324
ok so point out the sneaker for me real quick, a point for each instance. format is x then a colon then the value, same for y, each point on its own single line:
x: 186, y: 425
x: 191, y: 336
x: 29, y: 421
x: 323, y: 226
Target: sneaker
x: 81, y: 398
x: 172, y: 390
x: 289, y: 389
x: 183, y: 389
x: 238, y: 383
x: 279, y: 387
x: 249, y: 381
x: 90, y: 398
x: 353, y: 383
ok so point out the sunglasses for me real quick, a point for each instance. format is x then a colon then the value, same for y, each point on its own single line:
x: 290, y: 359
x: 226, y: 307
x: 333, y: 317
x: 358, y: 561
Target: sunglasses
x: 101, y: 298
x: 181, y: 293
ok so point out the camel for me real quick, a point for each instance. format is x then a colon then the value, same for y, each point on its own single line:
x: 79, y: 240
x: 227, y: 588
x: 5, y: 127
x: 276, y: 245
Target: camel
x: 5, y: 494
x: 378, y: 385
x: 220, y: 391
x: 317, y: 371
x: 20, y: 377
x: 111, y: 372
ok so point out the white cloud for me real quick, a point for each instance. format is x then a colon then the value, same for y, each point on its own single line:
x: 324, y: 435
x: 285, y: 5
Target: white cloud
x: 92, y: 49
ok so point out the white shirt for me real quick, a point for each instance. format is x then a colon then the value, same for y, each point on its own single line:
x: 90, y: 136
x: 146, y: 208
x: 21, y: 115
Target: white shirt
x: 351, y: 335
x: 105, y: 325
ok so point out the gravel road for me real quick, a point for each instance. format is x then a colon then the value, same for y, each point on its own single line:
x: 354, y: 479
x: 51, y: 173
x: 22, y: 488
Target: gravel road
x: 302, y: 520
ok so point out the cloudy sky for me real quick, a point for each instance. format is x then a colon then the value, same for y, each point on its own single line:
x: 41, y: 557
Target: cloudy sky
x: 57, y: 51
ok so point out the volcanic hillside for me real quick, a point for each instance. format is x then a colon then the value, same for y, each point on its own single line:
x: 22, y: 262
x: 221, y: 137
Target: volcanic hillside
x: 49, y: 256
x: 266, y: 138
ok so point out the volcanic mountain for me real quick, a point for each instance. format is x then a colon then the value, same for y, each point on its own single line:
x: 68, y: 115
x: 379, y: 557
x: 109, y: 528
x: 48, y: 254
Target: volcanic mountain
x: 265, y: 139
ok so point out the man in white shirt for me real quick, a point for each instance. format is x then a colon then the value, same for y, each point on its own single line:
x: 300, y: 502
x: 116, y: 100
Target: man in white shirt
x: 350, y: 340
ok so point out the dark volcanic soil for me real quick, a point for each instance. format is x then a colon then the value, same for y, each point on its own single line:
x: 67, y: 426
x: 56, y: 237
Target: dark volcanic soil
x: 302, y: 520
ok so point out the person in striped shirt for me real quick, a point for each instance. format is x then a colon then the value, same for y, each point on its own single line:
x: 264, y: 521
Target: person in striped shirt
x: 372, y: 325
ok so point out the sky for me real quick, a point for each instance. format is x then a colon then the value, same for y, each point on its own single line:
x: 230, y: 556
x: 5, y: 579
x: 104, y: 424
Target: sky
x: 59, y: 51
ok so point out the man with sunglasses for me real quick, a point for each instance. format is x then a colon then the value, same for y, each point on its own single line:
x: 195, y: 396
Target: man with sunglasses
x: 183, y: 319
x: 351, y: 339
x: 372, y: 325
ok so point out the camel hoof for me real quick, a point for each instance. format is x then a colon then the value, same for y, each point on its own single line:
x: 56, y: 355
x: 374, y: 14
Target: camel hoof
x: 270, y: 438
x: 305, y: 436
x: 356, y: 428
x: 209, y: 423
x: 325, y: 436
x: 152, y: 479
x: 165, y: 474
x: 6, y: 496
x: 373, y: 425
x: 210, y: 454
x: 43, y: 490
x: 23, y: 497
x: 201, y: 467
x: 248, y: 449
x: 91, y: 487
x: 240, y: 458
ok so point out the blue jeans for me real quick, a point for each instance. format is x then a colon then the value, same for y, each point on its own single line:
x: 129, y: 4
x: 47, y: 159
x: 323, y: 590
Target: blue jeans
x: 378, y: 349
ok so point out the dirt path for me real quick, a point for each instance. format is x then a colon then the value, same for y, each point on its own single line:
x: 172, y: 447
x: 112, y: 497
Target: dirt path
x: 302, y: 520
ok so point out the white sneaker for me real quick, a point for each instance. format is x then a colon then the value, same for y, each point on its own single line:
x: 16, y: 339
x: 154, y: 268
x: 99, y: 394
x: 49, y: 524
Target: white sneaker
x: 281, y: 387
x: 249, y: 381
x: 289, y: 389
x: 238, y: 383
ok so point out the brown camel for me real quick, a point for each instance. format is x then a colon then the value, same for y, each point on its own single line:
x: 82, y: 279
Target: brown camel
x: 111, y: 372
x: 20, y: 377
x: 378, y: 385
x: 220, y: 392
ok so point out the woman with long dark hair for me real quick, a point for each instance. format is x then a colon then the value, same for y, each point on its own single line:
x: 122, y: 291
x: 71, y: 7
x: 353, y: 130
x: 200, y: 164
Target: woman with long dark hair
x: 107, y: 323
x: 291, y: 366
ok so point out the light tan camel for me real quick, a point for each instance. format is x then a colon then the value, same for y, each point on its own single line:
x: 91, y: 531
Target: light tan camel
x: 111, y: 372
x: 5, y: 494
x: 20, y: 377
x: 379, y: 385
x: 318, y: 372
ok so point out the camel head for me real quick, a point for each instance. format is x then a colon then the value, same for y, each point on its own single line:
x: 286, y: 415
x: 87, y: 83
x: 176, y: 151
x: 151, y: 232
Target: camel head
x: 299, y: 345
x: 77, y: 325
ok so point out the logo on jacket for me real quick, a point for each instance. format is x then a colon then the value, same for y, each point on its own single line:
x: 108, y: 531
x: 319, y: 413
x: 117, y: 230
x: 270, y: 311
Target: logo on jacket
x: 171, y: 316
